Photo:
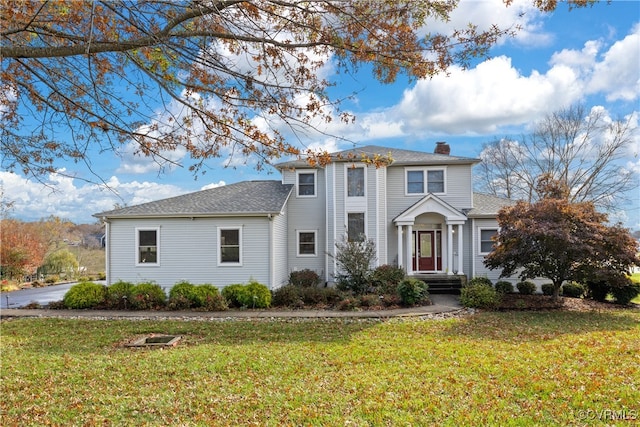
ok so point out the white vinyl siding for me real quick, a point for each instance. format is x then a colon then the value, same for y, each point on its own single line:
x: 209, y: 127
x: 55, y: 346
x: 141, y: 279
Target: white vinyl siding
x: 189, y: 251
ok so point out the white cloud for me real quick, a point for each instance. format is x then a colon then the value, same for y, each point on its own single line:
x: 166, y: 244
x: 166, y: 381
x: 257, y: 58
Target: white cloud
x: 213, y: 185
x: 62, y: 196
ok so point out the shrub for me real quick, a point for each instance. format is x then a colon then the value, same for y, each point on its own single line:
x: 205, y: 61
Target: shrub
x: 479, y: 295
x: 386, y: 278
x: 480, y: 281
x: 354, y: 261
x: 256, y: 295
x: 119, y: 294
x: 390, y: 300
x: 84, y: 295
x: 526, y: 287
x: 547, y: 289
x: 370, y: 300
x: 504, y: 287
x: 52, y: 279
x: 233, y: 294
x: 183, y: 295
x: 287, y: 296
x: 214, y: 302
x: 624, y: 294
x: 573, y: 290
x: 147, y: 296
x: 204, y: 293
x: 313, y: 296
x: 412, y: 291
x: 102, y: 276
x: 598, y: 290
x: 304, y: 278
x: 348, y: 304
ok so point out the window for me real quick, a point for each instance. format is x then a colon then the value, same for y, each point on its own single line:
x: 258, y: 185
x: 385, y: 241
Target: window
x: 435, y: 181
x: 306, y: 243
x: 486, y: 242
x: 355, y: 182
x: 306, y: 184
x: 423, y: 180
x: 355, y: 227
x: 415, y: 182
x: 147, y: 244
x: 230, y: 246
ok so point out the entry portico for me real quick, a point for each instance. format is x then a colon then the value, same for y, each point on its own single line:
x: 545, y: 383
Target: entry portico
x: 421, y: 229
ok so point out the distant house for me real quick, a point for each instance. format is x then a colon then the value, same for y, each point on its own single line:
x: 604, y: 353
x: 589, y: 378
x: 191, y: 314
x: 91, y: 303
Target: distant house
x: 420, y: 210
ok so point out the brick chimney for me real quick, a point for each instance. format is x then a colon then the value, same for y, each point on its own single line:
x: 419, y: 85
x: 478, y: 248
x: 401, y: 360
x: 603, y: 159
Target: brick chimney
x: 442, y: 148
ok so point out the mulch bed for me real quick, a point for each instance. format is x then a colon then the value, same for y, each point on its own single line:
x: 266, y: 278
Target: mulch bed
x: 544, y: 302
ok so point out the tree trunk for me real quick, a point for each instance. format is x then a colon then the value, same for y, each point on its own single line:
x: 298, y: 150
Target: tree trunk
x: 556, y: 290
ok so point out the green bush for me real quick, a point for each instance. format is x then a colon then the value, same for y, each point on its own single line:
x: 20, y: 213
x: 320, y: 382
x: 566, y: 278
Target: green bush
x: 412, y: 291
x: 304, y: 278
x: 256, y: 295
x: 287, y: 296
x: 204, y: 293
x: 479, y: 295
x: 354, y: 260
x: 624, y: 294
x: 313, y: 296
x: 598, y: 290
x: 233, y: 294
x: 526, y: 287
x: 182, y: 295
x: 573, y: 290
x: 119, y: 294
x: 85, y: 295
x: 148, y: 296
x: 547, y: 289
x: 504, y: 287
x: 480, y: 280
x: 213, y: 301
x: 386, y: 278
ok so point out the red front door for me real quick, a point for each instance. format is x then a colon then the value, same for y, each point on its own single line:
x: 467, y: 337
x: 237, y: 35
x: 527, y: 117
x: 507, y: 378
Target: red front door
x: 426, y: 252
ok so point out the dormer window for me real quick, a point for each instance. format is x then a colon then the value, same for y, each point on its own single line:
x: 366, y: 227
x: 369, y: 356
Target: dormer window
x: 420, y: 179
x: 307, y: 184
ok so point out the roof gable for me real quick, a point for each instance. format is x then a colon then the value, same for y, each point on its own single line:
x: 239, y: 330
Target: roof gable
x: 242, y: 198
x: 430, y: 204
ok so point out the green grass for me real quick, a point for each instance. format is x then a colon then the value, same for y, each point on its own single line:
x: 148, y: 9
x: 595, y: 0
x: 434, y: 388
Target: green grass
x: 545, y: 368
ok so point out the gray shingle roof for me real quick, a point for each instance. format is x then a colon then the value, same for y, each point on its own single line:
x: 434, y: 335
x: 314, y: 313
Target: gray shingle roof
x: 485, y: 205
x: 242, y: 198
x: 399, y: 156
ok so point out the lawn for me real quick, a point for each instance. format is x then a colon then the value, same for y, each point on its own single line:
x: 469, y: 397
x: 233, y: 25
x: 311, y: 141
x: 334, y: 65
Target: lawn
x: 520, y: 368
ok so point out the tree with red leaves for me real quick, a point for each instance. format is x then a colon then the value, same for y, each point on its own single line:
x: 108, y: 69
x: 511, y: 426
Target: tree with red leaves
x: 559, y: 240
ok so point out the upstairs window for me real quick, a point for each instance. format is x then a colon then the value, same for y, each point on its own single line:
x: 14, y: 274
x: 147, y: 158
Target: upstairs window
x: 423, y: 181
x: 415, y: 182
x: 147, y: 246
x: 306, y: 184
x: 355, y: 182
x: 435, y: 181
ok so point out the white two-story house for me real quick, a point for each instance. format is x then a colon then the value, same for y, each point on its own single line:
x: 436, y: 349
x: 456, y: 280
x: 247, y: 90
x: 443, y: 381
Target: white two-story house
x: 419, y: 209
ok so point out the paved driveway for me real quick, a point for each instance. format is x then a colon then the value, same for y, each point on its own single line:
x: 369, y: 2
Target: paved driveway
x: 42, y: 296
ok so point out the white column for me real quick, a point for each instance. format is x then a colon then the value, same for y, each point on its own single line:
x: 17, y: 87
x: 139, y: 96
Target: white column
x: 400, y: 257
x: 409, y: 246
x: 449, y: 249
x: 460, y: 251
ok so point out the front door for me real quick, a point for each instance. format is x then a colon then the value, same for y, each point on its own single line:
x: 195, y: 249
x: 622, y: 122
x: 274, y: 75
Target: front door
x: 426, y: 251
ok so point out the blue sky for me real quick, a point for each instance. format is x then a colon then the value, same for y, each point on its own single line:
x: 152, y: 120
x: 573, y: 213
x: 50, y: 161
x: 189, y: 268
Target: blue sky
x: 589, y: 56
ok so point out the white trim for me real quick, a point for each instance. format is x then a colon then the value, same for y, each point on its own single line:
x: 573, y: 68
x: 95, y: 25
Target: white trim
x: 425, y: 182
x: 480, y: 230
x: 315, y: 244
x: 240, y: 244
x: 137, y: 247
x: 315, y: 183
